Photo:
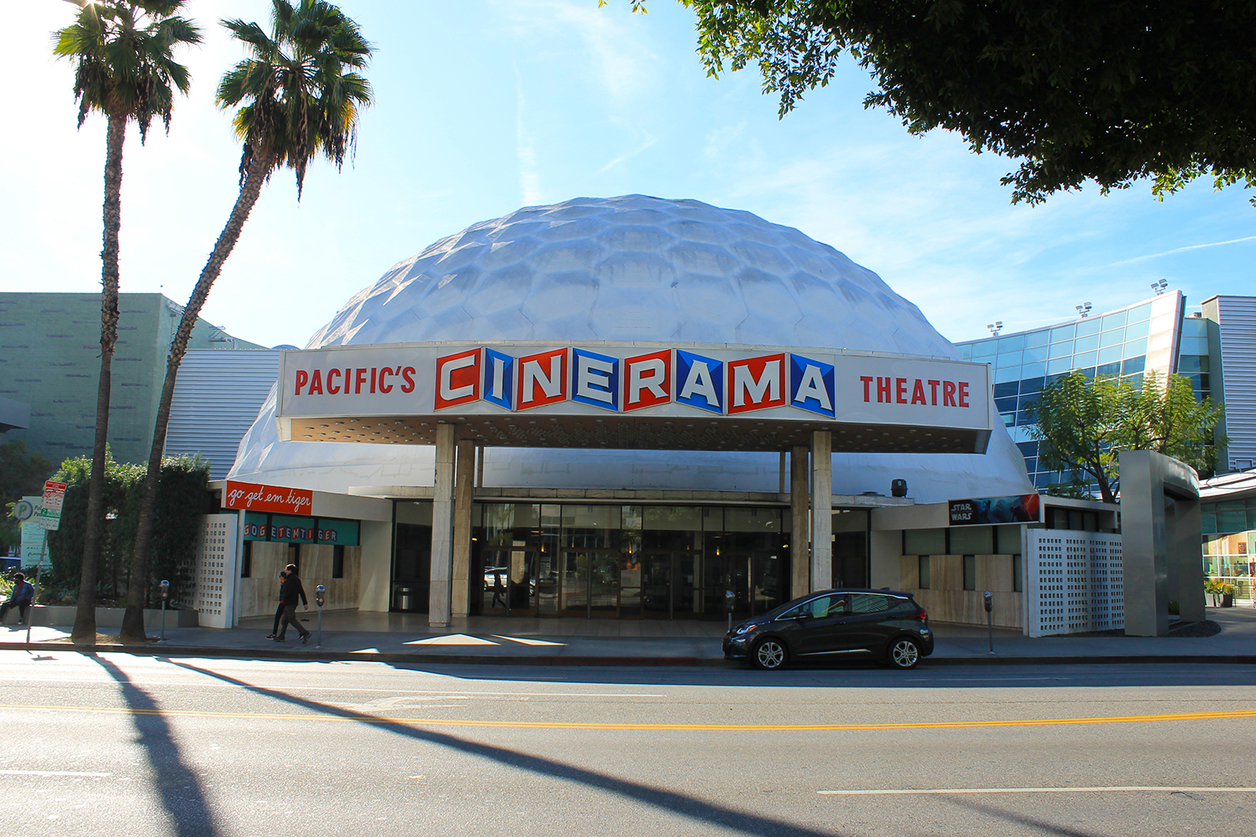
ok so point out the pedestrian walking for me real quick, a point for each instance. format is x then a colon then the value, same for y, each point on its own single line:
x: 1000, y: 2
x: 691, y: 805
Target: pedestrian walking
x: 274, y: 629
x: 289, y: 593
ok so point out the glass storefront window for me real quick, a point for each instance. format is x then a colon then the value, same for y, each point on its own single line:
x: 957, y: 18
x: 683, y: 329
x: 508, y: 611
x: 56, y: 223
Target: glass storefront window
x: 970, y: 540
x: 628, y: 561
x: 924, y: 541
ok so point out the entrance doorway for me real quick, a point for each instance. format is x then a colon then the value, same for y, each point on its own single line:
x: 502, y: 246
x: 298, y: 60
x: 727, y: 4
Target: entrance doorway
x: 510, y: 581
x: 589, y: 583
x: 850, y: 559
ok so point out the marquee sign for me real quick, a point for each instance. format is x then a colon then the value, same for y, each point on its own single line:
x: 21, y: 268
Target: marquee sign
x: 633, y: 379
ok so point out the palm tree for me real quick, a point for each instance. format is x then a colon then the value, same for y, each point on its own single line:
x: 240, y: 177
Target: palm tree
x: 122, y: 52
x: 301, y: 98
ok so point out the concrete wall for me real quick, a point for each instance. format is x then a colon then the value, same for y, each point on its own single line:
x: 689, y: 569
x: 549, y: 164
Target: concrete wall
x: 376, y: 566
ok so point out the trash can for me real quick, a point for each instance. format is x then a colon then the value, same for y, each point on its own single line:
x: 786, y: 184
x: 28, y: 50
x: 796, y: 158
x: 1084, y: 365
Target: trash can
x: 403, y: 599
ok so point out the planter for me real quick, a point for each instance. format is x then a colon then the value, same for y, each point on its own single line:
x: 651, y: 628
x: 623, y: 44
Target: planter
x: 111, y: 617
x: 1227, y: 600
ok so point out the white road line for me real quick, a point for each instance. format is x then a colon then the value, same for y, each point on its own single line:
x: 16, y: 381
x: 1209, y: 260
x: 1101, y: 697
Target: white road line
x: 53, y: 773
x: 292, y: 688
x: 1113, y: 789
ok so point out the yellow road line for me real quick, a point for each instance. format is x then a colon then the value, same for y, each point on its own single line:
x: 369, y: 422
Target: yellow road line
x: 447, y: 722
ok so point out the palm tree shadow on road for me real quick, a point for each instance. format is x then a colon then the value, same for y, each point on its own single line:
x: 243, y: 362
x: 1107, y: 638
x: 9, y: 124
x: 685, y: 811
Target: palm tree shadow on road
x: 691, y: 807
x: 178, y: 786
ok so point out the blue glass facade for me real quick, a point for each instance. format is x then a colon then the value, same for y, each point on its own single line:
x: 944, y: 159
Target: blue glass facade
x: 1128, y: 342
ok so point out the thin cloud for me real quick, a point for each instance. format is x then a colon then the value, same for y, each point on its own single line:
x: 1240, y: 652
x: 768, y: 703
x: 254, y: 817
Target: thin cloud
x: 1186, y: 249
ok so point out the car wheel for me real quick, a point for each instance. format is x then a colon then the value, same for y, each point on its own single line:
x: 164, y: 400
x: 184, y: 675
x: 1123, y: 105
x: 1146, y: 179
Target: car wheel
x: 769, y: 654
x: 904, y: 653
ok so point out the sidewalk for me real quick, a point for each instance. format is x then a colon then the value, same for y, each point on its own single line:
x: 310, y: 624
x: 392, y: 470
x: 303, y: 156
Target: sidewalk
x: 406, y: 638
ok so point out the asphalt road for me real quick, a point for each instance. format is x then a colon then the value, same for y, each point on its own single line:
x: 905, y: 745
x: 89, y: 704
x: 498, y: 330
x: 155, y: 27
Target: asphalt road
x: 118, y: 745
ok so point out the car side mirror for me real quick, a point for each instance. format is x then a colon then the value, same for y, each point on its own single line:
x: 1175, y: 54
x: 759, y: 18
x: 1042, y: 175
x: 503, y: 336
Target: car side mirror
x: 802, y: 615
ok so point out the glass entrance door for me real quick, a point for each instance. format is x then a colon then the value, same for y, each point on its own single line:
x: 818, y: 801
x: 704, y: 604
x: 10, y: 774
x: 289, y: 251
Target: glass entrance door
x: 589, y: 582
x: 510, y: 581
x: 657, y: 595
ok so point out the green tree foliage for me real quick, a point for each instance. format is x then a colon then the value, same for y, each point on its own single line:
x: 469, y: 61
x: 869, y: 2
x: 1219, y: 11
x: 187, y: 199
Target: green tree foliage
x: 182, y: 499
x: 22, y: 473
x: 124, y: 68
x: 1109, y: 92
x: 1083, y: 423
x: 299, y: 96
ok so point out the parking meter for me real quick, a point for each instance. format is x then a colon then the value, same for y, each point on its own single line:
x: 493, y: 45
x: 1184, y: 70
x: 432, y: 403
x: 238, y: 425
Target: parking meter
x: 165, y: 597
x: 320, y: 596
x: 988, y: 602
x: 730, y: 599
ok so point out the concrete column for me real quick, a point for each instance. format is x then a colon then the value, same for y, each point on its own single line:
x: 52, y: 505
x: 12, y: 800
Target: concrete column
x: 464, y: 470
x: 1186, y: 565
x: 1144, y: 556
x: 800, y: 523
x: 442, y: 528
x: 821, y: 509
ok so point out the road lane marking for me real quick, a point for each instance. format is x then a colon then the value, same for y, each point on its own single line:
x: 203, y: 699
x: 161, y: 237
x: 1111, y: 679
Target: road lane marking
x: 948, y: 791
x: 576, y: 725
x: 53, y: 773
x: 237, y: 686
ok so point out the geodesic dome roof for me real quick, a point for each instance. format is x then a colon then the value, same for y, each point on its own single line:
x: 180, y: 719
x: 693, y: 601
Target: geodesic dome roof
x: 634, y: 268
x: 631, y: 268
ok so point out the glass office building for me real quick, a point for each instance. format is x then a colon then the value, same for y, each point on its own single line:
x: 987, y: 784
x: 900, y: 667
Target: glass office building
x: 1129, y: 342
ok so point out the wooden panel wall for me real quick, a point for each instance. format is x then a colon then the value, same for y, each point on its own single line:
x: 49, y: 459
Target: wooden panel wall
x: 259, y: 593
x: 946, y: 600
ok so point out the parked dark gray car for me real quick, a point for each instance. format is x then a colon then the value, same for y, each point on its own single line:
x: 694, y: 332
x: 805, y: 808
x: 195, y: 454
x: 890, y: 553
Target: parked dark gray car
x: 830, y: 625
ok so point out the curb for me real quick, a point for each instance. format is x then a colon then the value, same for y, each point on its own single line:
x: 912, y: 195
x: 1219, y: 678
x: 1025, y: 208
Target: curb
x: 153, y: 649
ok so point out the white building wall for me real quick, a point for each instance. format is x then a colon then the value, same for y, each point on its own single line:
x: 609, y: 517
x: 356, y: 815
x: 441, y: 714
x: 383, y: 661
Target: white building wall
x: 1074, y: 582
x: 215, y: 571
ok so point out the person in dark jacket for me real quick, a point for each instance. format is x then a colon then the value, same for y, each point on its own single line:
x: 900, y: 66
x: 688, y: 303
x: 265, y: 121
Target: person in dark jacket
x: 22, y: 597
x: 274, y: 630
x: 289, y: 592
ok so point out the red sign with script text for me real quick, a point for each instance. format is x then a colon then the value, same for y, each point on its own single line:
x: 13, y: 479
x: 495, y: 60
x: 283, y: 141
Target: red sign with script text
x: 267, y: 498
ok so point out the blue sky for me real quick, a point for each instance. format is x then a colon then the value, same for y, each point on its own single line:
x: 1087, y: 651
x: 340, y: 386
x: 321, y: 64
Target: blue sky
x: 484, y: 106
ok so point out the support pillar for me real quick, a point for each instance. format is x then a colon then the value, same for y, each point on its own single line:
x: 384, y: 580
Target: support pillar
x: 821, y: 509
x: 442, y: 528
x: 800, y: 523
x: 463, y: 471
x: 1186, y: 568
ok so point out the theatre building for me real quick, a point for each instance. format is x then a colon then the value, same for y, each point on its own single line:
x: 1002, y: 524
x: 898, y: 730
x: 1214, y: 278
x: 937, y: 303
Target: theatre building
x: 627, y: 408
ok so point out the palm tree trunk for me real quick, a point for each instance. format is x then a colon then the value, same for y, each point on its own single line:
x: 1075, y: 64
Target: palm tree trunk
x: 84, y: 631
x: 133, y: 619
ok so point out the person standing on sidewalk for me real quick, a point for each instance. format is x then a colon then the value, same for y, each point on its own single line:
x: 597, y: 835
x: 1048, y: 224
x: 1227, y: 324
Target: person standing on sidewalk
x: 289, y: 592
x: 278, y: 610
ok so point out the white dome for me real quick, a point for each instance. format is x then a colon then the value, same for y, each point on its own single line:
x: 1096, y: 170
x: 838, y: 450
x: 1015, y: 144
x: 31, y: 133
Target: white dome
x: 627, y: 269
